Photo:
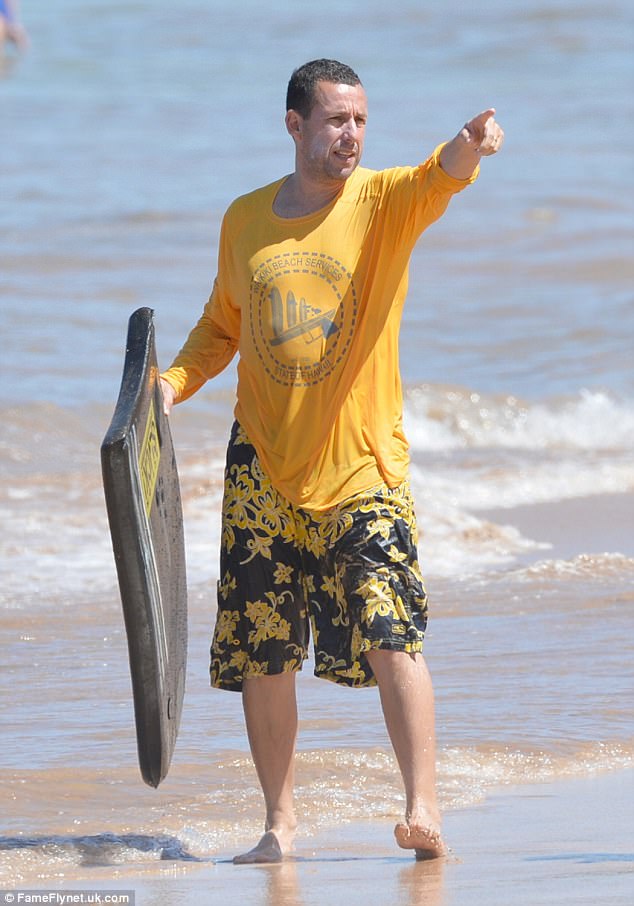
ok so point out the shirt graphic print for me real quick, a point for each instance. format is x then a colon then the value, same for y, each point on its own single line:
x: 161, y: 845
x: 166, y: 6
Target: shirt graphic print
x: 303, y: 310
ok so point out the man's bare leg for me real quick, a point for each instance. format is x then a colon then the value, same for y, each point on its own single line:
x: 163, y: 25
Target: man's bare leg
x: 270, y: 711
x: 407, y: 698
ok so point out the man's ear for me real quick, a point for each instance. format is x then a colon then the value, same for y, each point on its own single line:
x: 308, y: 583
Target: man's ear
x: 294, y: 122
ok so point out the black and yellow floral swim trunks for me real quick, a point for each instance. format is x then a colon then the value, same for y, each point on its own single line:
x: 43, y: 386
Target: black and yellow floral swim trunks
x: 351, y: 573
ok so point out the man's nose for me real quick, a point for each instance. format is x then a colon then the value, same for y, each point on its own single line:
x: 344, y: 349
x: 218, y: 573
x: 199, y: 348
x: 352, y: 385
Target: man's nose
x: 350, y: 129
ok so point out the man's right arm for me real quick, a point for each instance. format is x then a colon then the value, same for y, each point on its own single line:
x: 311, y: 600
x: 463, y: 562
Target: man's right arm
x: 209, y: 348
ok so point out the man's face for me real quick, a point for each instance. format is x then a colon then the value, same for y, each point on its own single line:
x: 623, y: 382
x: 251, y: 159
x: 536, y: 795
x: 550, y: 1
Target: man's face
x: 329, y: 142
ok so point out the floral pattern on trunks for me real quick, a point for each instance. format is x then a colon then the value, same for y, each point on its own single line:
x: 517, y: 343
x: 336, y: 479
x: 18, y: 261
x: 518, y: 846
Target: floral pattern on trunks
x: 350, y: 573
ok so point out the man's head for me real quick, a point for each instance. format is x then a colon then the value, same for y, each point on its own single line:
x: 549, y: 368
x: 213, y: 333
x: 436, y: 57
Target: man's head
x: 326, y: 115
x: 300, y: 95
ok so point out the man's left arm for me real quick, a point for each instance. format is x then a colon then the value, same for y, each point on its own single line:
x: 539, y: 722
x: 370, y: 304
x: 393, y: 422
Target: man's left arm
x: 480, y: 137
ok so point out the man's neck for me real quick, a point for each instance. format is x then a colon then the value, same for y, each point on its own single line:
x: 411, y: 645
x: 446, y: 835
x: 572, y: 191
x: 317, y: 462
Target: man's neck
x: 299, y: 197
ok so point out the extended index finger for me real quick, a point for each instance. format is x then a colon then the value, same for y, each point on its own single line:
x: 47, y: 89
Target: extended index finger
x: 479, y: 122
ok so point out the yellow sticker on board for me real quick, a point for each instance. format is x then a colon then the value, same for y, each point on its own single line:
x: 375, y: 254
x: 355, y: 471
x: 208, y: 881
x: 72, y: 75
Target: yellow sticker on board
x: 149, y: 459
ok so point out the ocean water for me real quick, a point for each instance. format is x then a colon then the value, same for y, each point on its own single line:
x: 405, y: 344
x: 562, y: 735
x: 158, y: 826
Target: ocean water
x: 127, y: 130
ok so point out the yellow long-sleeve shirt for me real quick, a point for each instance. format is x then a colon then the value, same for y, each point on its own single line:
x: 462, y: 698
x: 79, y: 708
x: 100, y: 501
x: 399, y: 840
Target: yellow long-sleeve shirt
x: 313, y: 305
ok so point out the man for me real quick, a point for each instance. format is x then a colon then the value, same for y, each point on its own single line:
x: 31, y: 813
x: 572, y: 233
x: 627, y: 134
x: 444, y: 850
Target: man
x: 318, y: 521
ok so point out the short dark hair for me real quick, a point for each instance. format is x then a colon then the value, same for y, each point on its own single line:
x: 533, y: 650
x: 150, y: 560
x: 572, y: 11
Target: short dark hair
x: 300, y: 95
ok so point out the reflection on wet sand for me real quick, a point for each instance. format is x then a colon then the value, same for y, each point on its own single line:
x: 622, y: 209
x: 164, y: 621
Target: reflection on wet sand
x: 421, y: 883
x: 293, y: 882
x: 282, y: 885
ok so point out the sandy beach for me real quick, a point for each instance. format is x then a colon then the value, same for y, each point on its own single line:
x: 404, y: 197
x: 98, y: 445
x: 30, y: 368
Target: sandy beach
x: 567, y: 843
x: 564, y: 843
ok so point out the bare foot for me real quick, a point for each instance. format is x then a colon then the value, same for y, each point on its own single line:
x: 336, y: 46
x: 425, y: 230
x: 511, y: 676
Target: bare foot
x: 267, y: 851
x: 424, y: 838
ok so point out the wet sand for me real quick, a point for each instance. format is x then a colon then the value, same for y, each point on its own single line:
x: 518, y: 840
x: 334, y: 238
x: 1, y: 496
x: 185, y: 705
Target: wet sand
x: 566, y: 842
x: 581, y: 525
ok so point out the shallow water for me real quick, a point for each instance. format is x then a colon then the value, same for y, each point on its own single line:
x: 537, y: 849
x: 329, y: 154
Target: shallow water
x: 128, y: 131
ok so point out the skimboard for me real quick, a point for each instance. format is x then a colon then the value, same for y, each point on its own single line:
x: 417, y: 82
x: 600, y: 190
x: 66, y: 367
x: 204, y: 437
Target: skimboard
x: 144, y: 511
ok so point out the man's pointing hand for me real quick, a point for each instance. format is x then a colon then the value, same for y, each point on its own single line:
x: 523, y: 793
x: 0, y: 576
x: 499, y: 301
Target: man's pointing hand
x: 482, y: 136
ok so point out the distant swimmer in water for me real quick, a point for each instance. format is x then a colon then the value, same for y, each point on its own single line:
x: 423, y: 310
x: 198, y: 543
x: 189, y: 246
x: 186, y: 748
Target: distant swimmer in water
x: 11, y: 31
